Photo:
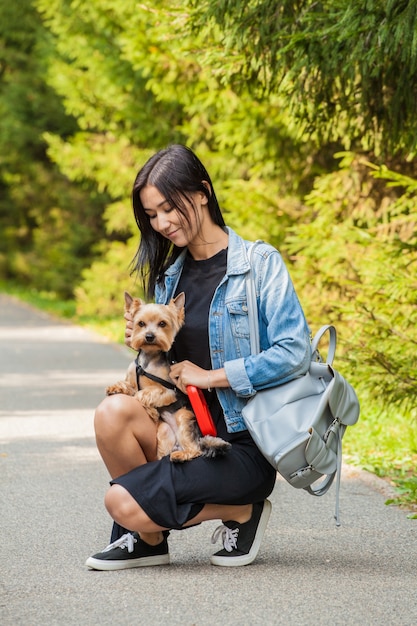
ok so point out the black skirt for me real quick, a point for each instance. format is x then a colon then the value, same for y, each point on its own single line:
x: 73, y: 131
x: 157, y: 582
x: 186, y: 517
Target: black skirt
x: 171, y: 494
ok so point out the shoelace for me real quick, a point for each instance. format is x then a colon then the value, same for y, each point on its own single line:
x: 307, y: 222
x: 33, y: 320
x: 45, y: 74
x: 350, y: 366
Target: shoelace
x: 125, y: 541
x: 228, y: 535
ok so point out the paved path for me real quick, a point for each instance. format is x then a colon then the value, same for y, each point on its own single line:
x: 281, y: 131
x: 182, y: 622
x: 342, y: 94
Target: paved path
x: 52, y: 375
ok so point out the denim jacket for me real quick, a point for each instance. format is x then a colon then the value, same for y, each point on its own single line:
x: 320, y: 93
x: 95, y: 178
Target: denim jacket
x: 283, y: 330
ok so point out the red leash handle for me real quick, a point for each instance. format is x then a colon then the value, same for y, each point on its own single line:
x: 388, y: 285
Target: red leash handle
x: 201, y: 410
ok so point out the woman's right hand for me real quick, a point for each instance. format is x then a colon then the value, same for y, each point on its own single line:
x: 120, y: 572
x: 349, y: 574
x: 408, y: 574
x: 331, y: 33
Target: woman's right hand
x: 129, y: 328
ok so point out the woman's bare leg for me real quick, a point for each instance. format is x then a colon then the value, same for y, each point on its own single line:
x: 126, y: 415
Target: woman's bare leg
x: 125, y: 434
x: 126, y: 438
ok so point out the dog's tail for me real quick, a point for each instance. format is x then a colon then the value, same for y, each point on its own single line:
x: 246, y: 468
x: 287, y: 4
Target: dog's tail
x: 213, y: 446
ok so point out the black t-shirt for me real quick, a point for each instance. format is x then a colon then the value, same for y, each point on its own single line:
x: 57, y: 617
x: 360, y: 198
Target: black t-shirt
x: 199, y: 281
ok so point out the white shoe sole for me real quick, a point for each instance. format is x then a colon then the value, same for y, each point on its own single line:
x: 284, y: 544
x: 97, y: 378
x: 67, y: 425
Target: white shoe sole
x: 145, y: 561
x: 246, y: 559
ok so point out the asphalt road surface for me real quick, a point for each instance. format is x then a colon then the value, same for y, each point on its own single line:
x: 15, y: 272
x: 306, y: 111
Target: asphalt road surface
x: 52, y: 483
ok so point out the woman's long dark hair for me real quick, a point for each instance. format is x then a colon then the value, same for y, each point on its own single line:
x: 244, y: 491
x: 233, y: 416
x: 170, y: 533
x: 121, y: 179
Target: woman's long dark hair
x: 176, y: 172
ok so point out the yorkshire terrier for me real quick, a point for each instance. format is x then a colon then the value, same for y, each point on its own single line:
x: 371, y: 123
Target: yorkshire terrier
x: 154, y: 329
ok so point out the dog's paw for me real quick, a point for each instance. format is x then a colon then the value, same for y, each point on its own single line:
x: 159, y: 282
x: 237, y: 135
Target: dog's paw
x: 213, y: 446
x: 180, y: 456
x: 120, y: 388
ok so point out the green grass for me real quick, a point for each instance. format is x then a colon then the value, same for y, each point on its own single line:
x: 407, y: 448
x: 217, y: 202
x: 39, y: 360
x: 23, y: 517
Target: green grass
x: 44, y: 300
x: 112, y: 328
x: 383, y: 442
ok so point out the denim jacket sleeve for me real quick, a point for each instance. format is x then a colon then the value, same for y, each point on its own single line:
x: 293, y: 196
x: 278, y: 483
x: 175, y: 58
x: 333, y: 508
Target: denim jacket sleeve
x: 283, y: 330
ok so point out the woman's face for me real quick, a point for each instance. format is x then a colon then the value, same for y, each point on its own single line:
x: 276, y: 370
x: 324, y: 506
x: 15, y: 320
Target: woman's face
x: 169, y: 222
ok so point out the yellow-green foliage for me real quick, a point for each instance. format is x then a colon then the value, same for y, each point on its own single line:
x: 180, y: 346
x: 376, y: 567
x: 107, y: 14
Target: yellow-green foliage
x: 266, y: 93
x: 355, y: 263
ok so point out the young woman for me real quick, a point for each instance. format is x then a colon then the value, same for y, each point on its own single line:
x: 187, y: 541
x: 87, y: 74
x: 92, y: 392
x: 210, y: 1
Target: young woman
x: 186, y: 246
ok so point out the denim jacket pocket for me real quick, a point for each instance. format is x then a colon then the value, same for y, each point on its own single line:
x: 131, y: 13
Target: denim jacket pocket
x: 238, y: 317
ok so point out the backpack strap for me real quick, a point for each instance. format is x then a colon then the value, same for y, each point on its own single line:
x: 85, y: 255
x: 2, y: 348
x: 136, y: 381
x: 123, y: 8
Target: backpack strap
x: 255, y: 347
x: 325, y: 485
x: 332, y: 342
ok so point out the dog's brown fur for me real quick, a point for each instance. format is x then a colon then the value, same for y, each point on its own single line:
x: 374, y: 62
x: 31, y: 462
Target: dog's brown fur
x: 154, y: 329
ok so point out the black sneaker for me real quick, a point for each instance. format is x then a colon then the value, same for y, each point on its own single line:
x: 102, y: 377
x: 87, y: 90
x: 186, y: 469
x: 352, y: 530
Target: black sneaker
x: 241, y: 542
x: 130, y: 551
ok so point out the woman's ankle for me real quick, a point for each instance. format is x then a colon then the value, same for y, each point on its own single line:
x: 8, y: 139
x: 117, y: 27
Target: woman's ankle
x: 241, y: 517
x: 153, y: 539
x: 240, y: 514
x: 227, y: 513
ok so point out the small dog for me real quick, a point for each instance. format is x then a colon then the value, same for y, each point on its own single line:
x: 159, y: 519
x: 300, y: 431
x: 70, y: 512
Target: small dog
x: 154, y: 329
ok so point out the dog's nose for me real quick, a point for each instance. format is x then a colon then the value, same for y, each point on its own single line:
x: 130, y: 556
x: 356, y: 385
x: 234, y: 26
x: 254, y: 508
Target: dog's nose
x: 150, y: 337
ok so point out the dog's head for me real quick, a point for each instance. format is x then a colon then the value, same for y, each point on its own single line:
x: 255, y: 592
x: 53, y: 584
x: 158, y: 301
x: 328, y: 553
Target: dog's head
x: 155, y: 325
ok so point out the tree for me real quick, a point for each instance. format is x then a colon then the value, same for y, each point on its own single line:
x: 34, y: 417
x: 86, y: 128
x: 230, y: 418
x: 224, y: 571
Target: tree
x: 134, y: 94
x: 348, y: 68
x: 119, y: 122
x: 355, y: 263
x: 44, y: 220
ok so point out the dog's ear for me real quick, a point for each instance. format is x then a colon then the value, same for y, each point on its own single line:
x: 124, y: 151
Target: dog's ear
x: 132, y: 305
x: 179, y: 301
x: 128, y: 301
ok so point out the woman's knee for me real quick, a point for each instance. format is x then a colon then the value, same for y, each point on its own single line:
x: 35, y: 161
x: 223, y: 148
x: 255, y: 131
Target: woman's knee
x: 111, y: 415
x: 118, y: 502
x: 124, y: 509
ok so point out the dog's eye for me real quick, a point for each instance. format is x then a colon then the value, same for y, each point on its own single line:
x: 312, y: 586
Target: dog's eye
x: 162, y: 324
x: 141, y: 324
